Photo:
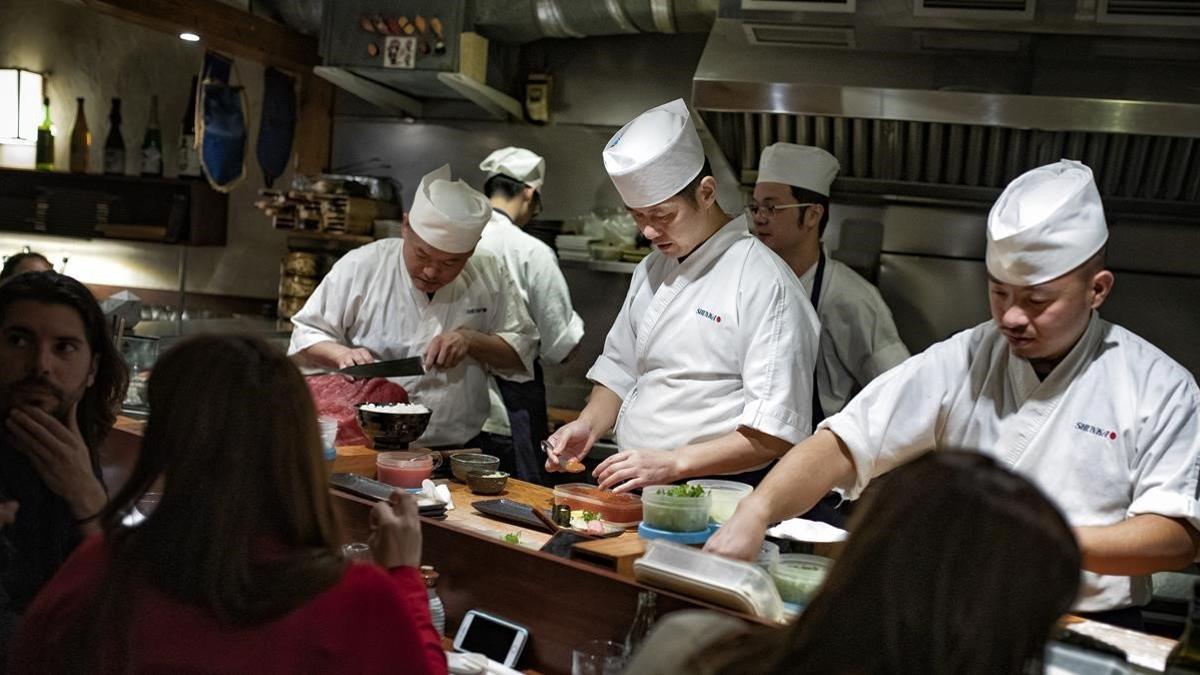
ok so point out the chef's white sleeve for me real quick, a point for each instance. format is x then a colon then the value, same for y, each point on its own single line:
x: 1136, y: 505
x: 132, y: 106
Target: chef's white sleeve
x: 895, y: 418
x: 1167, y: 466
x: 872, y: 345
x: 513, y: 324
x: 332, y: 309
x: 559, y: 326
x: 616, y: 366
x: 778, y: 350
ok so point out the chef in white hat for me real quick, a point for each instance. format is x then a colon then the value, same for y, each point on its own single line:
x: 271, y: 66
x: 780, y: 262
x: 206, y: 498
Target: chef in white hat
x: 789, y: 212
x: 518, y: 421
x: 1100, y: 419
x: 430, y: 295
x: 708, y: 366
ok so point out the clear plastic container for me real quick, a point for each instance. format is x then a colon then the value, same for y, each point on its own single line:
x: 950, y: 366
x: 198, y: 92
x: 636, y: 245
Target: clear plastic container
x: 798, y: 576
x: 674, y: 514
x: 620, y: 509
x: 725, y: 497
x: 768, y: 557
x: 738, y: 585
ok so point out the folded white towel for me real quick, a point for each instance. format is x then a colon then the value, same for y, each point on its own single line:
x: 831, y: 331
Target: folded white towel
x: 799, y: 529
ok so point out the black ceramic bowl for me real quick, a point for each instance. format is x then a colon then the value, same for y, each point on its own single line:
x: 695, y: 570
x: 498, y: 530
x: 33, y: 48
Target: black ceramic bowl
x: 392, y: 431
x: 486, y: 482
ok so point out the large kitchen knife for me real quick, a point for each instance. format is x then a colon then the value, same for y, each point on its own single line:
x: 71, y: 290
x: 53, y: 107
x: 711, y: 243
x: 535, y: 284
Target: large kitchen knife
x: 408, y: 367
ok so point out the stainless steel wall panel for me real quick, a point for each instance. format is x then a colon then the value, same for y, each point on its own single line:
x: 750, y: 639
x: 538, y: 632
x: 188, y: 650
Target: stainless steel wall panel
x: 932, y: 298
x: 920, y: 230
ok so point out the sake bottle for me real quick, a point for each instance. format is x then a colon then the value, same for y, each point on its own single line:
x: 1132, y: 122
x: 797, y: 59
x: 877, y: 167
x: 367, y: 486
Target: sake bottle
x: 81, y: 141
x: 643, y: 620
x: 114, y: 146
x: 152, y: 154
x: 45, y: 140
x: 1185, y: 657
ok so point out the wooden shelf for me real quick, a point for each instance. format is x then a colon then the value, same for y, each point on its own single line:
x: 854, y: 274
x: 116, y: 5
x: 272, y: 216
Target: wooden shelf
x: 125, y: 208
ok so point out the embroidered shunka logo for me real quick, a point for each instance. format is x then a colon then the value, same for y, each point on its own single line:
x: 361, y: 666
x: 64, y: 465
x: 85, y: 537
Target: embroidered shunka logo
x: 1096, y: 431
x: 708, y: 315
x: 476, y: 310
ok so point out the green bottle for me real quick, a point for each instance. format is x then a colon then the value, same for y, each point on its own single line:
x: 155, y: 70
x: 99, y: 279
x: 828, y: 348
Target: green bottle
x: 45, y: 140
x: 152, y: 151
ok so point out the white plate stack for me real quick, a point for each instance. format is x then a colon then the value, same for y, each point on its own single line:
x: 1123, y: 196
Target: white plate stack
x: 573, y: 246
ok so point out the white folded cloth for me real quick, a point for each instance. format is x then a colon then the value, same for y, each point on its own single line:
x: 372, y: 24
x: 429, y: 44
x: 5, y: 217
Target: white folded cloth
x: 476, y: 664
x: 799, y: 529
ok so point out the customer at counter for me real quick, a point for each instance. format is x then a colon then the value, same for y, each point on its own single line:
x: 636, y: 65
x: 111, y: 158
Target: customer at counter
x: 958, y: 566
x: 1101, y: 420
x: 708, y: 366
x: 789, y: 213
x: 61, y: 384
x: 20, y: 263
x: 518, y: 414
x: 238, y: 568
x: 430, y: 295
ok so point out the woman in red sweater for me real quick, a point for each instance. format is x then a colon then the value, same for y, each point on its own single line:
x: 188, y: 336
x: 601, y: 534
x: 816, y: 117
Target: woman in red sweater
x: 238, y: 568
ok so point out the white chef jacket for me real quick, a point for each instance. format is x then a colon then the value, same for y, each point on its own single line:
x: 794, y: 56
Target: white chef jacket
x: 1111, y: 433
x: 368, y: 300
x: 858, y: 336
x: 725, y: 339
x: 534, y: 267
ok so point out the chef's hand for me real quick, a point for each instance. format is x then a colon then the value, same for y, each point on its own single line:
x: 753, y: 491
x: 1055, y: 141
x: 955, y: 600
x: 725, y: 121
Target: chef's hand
x: 353, y: 356
x: 396, y: 531
x: 60, y: 457
x: 566, y: 448
x: 8, y: 513
x: 741, y: 536
x: 631, y: 469
x: 446, y: 350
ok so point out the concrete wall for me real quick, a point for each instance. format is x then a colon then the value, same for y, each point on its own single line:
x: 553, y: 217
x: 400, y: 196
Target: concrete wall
x: 98, y: 57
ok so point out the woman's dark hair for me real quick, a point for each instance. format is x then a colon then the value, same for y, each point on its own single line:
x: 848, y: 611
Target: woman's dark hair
x: 806, y: 196
x: 954, y: 565
x: 245, y: 528
x: 98, y: 408
x: 14, y: 261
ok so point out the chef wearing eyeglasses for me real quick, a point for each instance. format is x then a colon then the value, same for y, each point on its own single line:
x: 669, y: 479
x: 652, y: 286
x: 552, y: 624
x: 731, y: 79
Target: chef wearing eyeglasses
x: 789, y: 213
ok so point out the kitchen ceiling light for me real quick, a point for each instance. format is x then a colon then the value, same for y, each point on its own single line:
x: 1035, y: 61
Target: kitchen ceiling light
x: 189, y: 37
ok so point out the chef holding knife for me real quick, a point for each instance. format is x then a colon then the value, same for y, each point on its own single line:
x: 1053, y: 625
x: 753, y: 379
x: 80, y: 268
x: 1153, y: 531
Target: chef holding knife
x: 1101, y: 420
x: 789, y: 213
x: 430, y: 295
x: 708, y: 366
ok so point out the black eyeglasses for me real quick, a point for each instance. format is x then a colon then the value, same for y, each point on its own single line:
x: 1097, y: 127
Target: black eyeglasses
x: 753, y: 209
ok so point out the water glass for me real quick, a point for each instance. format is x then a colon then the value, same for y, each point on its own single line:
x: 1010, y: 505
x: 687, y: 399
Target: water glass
x: 357, y: 552
x: 329, y: 429
x: 598, y: 657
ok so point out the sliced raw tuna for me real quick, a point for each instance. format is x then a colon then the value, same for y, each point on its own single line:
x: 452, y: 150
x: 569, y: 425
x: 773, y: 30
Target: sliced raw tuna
x: 335, y: 396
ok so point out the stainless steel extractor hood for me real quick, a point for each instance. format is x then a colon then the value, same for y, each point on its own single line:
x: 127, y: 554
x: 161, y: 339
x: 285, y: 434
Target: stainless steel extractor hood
x: 953, y: 98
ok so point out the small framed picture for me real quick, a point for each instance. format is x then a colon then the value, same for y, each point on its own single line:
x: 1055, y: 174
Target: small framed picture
x: 400, y: 51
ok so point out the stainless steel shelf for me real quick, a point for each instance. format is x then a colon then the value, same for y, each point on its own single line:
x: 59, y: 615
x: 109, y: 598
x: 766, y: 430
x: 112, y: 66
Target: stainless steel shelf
x: 611, y: 266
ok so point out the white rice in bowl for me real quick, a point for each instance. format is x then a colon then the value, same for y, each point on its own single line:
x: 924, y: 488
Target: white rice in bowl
x: 395, y: 408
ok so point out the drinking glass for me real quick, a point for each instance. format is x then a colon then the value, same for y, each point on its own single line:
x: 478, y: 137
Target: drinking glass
x: 598, y: 657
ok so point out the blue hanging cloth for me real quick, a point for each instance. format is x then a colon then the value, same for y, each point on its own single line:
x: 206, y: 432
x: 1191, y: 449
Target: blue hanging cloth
x: 278, y: 125
x: 222, y: 124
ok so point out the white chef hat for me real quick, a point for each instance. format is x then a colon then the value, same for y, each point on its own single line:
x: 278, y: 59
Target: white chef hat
x: 654, y: 156
x: 1046, y: 223
x: 518, y: 164
x: 800, y: 165
x: 448, y: 215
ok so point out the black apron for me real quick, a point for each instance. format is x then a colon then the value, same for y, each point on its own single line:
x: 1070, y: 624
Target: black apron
x: 530, y: 425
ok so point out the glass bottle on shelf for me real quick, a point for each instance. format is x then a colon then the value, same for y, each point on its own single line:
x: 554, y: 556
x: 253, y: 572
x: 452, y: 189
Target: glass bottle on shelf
x: 114, y: 146
x: 643, y: 620
x: 188, y: 158
x: 45, y: 140
x: 152, y: 154
x: 437, y: 611
x: 81, y: 141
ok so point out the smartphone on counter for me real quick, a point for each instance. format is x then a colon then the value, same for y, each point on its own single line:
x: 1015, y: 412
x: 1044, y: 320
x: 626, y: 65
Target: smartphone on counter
x: 498, y: 639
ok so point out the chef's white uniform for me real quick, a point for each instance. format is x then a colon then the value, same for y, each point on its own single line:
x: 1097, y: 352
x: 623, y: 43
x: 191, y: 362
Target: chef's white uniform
x: 725, y: 339
x: 1111, y: 433
x: 859, y: 340
x: 534, y: 268
x: 368, y: 300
